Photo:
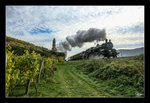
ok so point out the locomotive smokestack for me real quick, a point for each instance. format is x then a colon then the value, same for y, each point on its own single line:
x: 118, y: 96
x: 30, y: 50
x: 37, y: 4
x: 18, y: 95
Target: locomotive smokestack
x: 106, y: 40
x: 109, y: 40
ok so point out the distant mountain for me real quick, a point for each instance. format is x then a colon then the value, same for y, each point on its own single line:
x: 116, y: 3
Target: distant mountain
x: 130, y: 52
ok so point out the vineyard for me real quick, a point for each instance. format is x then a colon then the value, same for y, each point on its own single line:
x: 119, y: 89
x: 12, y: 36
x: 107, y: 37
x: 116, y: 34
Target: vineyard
x: 32, y: 75
x: 27, y: 70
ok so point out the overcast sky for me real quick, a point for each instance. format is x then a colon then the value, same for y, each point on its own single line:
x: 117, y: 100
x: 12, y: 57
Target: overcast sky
x: 124, y: 25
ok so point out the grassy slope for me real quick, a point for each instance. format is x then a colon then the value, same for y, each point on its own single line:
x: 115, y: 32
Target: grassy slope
x: 119, y: 76
x: 17, y: 42
x: 19, y: 46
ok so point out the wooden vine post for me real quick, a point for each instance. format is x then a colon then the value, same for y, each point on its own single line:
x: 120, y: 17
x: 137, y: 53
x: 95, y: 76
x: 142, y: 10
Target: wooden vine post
x: 40, y: 70
x: 29, y: 82
x: 44, y: 72
x: 28, y: 86
x: 35, y: 86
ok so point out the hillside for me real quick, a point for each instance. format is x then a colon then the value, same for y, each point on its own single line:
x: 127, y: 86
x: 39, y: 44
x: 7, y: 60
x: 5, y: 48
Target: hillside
x: 131, y: 52
x: 19, y: 46
x: 117, y: 76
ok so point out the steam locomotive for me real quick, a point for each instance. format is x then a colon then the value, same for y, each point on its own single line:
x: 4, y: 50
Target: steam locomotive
x: 106, y: 50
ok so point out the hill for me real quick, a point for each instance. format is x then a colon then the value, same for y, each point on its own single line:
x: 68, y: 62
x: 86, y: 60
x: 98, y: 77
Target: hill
x: 130, y: 52
x: 19, y: 46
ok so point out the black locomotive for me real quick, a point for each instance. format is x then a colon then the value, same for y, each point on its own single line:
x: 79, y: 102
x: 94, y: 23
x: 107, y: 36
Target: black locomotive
x: 106, y: 50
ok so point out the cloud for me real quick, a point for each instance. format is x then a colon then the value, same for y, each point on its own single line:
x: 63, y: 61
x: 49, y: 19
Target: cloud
x: 139, y: 28
x: 37, y: 24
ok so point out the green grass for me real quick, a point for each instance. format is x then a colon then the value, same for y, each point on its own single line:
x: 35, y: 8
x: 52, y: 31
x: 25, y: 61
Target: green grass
x: 119, y: 77
x: 67, y: 82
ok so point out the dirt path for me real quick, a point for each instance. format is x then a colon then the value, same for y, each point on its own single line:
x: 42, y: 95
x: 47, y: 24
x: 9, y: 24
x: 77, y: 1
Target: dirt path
x: 67, y: 82
x: 75, y: 84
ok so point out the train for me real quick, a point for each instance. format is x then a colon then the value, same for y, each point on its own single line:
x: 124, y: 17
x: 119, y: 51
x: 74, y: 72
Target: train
x: 106, y: 50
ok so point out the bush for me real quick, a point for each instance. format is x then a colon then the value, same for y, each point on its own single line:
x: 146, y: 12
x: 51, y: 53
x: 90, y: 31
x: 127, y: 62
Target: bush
x: 61, y: 59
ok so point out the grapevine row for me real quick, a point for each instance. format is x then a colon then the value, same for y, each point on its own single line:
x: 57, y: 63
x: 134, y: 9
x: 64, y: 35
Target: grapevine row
x: 27, y: 69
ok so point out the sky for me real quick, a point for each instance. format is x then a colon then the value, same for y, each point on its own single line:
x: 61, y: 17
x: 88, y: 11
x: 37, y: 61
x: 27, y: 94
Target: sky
x: 124, y: 25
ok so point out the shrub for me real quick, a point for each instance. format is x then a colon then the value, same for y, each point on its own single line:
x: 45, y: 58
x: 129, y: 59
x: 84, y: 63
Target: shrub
x: 61, y: 59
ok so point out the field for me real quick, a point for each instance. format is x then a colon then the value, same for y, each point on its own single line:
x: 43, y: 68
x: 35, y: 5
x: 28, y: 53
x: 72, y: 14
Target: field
x: 118, y: 77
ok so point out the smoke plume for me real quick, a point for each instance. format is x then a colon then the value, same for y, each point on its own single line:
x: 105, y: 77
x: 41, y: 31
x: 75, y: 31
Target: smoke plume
x: 81, y: 37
